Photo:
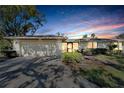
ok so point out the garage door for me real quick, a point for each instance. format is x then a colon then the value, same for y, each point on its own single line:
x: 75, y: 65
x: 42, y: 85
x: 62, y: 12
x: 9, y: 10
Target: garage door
x: 40, y: 48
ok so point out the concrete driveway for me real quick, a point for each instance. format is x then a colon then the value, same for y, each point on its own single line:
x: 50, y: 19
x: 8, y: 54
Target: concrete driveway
x: 35, y: 72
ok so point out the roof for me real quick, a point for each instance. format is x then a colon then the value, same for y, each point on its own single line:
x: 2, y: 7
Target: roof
x: 37, y: 37
x: 119, y: 40
x: 102, y: 40
x: 72, y: 40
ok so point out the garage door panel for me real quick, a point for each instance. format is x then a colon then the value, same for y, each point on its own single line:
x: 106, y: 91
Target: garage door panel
x: 39, y: 48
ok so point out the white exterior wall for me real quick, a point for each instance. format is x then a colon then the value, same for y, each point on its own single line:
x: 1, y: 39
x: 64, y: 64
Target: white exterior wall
x: 38, y: 47
x: 100, y: 45
x: 16, y: 46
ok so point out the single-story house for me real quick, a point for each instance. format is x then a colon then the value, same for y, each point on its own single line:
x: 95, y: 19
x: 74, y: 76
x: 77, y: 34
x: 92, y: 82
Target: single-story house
x: 48, y: 45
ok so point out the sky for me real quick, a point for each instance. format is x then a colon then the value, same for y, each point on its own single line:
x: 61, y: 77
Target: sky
x: 75, y: 21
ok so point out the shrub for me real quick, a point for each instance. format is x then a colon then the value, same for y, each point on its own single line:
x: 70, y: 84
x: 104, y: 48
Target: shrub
x: 87, y: 52
x: 99, y: 51
x: 94, y: 51
x: 4, y: 45
x: 9, y: 53
x: 111, y: 47
x: 71, y: 57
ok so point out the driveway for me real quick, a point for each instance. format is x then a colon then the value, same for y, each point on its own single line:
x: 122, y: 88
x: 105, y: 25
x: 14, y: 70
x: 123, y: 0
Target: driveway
x: 35, y: 72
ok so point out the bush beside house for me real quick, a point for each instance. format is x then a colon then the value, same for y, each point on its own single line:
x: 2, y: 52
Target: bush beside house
x: 99, y: 51
x: 71, y: 57
x: 6, y: 49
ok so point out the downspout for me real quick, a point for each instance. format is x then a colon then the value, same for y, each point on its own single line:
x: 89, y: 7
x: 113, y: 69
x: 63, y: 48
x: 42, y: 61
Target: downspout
x: 72, y: 47
x: 118, y: 47
x: 92, y: 44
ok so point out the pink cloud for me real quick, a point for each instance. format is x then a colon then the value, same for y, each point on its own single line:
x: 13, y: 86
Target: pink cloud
x: 106, y: 35
x: 96, y: 28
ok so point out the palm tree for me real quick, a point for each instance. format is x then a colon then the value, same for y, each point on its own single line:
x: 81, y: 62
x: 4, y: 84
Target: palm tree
x: 93, y: 36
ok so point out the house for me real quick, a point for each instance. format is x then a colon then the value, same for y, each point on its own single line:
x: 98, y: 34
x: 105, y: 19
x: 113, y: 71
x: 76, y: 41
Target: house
x: 48, y: 45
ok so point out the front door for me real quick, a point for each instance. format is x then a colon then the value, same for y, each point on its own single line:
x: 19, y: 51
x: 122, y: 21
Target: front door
x: 69, y: 47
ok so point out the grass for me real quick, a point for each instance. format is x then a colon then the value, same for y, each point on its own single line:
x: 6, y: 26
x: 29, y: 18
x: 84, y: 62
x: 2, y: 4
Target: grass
x: 104, y: 75
x: 100, y: 77
x: 117, y: 58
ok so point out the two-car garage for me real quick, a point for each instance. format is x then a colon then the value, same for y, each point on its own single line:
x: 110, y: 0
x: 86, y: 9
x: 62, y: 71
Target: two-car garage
x: 38, y: 46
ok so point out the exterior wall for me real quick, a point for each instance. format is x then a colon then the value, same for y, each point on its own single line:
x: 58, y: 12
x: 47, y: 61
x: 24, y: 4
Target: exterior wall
x: 92, y: 45
x: 101, y: 44
x: 83, y: 45
x: 64, y: 47
x: 16, y: 46
x: 75, y: 46
x: 123, y: 47
x: 55, y: 47
x: 39, y: 47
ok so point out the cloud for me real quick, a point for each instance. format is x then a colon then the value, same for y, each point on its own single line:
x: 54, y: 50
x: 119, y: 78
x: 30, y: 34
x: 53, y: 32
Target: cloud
x: 96, y: 28
x: 106, y: 35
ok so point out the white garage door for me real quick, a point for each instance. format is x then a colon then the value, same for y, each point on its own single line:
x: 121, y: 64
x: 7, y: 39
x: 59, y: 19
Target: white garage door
x: 40, y: 48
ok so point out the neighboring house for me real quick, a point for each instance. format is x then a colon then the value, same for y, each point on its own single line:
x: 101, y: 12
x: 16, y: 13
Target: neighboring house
x: 37, y: 45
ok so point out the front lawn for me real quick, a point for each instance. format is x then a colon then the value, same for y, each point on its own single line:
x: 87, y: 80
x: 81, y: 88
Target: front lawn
x: 103, y: 70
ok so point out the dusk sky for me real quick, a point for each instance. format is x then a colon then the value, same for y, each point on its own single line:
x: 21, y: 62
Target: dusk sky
x: 76, y: 21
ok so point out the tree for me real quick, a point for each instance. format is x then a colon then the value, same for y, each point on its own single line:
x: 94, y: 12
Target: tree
x: 1, y: 37
x: 93, y: 35
x: 20, y: 20
x: 121, y: 36
x: 58, y: 34
x: 85, y: 36
x: 4, y: 44
x: 111, y: 47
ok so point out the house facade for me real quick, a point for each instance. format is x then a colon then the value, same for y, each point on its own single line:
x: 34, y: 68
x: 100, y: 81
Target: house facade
x: 37, y: 45
x: 73, y: 45
x: 101, y: 43
x: 55, y: 45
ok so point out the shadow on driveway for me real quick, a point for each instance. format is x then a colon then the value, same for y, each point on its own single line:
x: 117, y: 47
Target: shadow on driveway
x: 35, y: 72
